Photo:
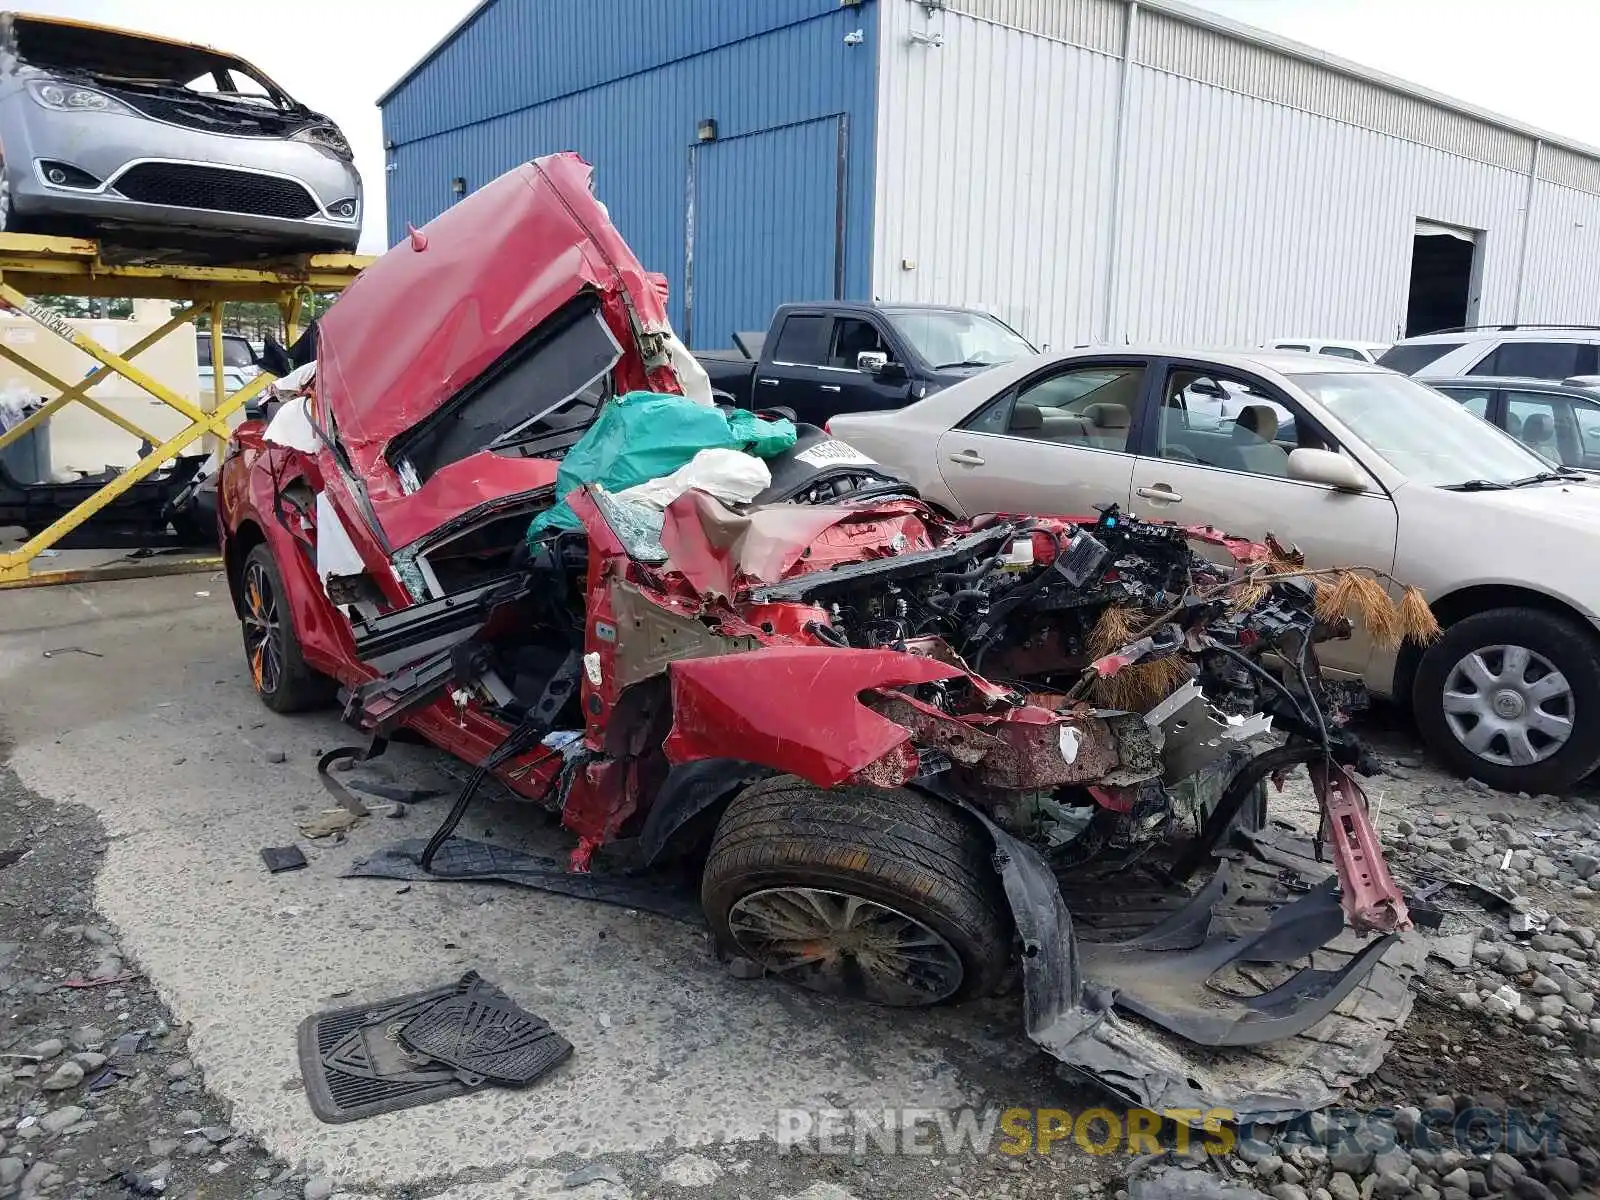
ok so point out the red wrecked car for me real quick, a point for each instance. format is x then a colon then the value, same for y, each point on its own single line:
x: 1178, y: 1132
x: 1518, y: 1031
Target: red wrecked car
x: 902, y: 755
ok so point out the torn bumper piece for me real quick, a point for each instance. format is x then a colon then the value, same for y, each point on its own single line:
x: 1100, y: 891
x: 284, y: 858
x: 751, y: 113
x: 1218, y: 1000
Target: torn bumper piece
x: 1170, y: 987
x: 1129, y: 1014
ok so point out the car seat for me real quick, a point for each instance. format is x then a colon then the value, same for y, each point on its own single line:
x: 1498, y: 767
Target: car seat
x: 1026, y: 419
x: 1255, y: 434
x: 1108, y: 425
x: 1047, y: 424
x: 1538, y: 433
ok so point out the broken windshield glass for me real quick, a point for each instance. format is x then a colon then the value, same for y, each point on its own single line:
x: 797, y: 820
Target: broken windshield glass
x: 637, y: 526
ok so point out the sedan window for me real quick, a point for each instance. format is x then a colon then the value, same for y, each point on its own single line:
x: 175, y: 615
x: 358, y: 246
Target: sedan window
x: 1343, y: 352
x: 1544, y: 424
x: 539, y: 396
x: 1588, y: 418
x: 1474, y: 400
x: 1090, y: 406
x: 236, y: 351
x: 1223, y: 421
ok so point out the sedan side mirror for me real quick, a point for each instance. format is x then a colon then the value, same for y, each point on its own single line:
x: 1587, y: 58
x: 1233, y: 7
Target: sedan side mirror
x: 1326, y: 467
x: 872, y: 361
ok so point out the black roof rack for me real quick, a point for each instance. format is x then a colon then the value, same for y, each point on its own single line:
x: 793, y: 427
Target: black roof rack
x: 1480, y: 328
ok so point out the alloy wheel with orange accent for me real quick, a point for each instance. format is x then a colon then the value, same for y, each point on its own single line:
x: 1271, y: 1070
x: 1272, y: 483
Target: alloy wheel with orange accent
x: 278, y: 671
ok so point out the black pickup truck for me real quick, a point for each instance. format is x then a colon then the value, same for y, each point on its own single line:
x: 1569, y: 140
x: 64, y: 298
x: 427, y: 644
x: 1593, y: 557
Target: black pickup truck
x: 818, y: 360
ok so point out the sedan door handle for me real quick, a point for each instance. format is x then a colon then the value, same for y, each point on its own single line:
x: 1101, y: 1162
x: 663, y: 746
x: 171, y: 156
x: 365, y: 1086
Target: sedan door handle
x: 829, y: 387
x: 768, y: 382
x: 1161, y: 492
x: 968, y: 458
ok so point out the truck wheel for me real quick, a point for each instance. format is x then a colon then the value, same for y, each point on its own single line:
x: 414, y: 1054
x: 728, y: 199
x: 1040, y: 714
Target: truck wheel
x: 282, y: 678
x: 884, y: 896
x: 1512, y: 697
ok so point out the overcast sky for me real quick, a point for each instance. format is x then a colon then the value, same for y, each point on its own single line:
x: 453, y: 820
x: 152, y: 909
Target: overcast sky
x: 1532, y: 60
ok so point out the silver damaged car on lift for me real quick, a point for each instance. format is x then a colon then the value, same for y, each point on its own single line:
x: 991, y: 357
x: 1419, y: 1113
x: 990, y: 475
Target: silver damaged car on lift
x: 148, y: 142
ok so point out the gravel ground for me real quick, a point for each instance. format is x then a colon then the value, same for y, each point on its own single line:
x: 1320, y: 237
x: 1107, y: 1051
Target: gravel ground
x: 1504, y: 1029
x: 97, y: 1093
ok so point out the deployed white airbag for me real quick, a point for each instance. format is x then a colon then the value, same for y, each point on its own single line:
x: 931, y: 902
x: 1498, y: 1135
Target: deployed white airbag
x: 732, y: 476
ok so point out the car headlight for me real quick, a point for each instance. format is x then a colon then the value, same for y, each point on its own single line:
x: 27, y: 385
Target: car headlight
x: 326, y: 137
x: 69, y: 97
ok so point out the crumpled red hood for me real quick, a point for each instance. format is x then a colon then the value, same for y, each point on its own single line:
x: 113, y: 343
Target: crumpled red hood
x: 431, y: 314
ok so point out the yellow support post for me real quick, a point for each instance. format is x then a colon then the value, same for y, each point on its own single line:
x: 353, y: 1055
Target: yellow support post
x: 73, y: 266
x: 219, y: 377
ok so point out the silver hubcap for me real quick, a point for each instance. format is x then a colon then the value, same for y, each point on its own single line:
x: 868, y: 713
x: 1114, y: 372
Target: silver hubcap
x: 1509, y: 705
x: 844, y: 945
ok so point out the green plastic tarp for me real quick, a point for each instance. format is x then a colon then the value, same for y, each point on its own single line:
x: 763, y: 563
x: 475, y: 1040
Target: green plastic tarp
x: 644, y: 435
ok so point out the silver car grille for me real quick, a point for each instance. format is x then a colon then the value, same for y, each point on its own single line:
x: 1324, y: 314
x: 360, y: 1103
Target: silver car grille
x: 188, y: 185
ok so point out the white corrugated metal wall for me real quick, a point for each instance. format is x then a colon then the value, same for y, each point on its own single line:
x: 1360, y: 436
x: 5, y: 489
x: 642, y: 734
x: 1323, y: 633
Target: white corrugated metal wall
x: 1260, y: 193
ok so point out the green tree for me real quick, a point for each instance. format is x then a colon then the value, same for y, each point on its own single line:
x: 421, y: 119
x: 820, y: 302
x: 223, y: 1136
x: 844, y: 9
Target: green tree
x: 259, y: 319
x: 81, y: 307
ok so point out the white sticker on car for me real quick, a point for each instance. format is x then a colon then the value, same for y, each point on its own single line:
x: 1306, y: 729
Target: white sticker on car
x: 834, y: 453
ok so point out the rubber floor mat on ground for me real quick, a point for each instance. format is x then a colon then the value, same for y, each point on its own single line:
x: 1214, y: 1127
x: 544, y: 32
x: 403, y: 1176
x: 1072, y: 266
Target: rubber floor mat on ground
x: 356, y: 1061
x: 465, y: 860
x: 480, y: 1030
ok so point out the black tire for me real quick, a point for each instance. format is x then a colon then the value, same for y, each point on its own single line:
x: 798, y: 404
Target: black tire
x: 278, y: 671
x: 915, y: 855
x: 1571, y: 649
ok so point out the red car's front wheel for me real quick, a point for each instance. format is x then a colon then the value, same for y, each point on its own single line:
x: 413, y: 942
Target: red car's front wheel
x: 278, y: 671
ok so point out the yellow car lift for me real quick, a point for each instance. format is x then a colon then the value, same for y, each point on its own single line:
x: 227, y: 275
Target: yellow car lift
x: 32, y: 266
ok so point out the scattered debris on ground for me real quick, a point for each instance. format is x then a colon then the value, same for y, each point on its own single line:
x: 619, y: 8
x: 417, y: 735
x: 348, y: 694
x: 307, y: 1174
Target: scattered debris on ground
x: 1493, y: 1086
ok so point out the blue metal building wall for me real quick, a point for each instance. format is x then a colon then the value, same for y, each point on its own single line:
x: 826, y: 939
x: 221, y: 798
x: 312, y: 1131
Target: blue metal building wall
x: 625, y: 83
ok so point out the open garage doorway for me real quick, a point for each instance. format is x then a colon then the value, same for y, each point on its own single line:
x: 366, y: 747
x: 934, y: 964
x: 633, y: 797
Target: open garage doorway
x: 1444, y: 278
